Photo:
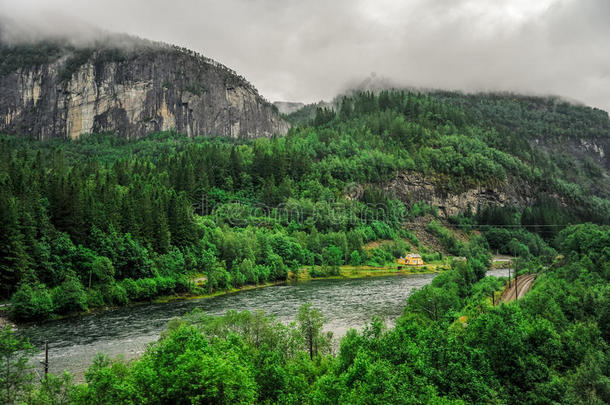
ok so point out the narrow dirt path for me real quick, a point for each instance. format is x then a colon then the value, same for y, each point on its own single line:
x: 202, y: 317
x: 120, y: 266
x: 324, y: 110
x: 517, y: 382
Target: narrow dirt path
x: 523, y: 285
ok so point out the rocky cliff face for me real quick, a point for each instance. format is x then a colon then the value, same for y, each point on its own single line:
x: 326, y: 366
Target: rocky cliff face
x: 131, y: 92
x: 412, y: 187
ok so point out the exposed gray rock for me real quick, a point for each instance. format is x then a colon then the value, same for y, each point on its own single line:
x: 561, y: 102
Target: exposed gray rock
x: 412, y: 187
x: 595, y: 149
x: 133, y: 92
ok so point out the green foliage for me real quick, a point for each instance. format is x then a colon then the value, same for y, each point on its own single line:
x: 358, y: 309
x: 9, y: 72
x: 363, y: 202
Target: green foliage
x: 355, y: 259
x: 22, y: 56
x: 69, y: 296
x: 15, y: 378
x: 310, y: 321
x: 248, y: 211
x: 74, y: 62
x: 104, y: 221
x: 332, y: 256
x: 449, y: 346
x: 56, y: 390
x: 453, y: 245
x: 103, y: 270
x: 31, y: 302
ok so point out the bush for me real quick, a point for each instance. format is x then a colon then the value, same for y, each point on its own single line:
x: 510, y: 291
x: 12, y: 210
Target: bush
x: 278, y: 269
x: 183, y: 284
x: 131, y: 288
x: 430, y: 257
x: 95, y: 298
x: 165, y: 285
x: 332, y: 256
x: 379, y: 257
x: 263, y: 272
x: 171, y: 264
x: 382, y: 230
x: 31, y: 303
x: 324, y: 271
x: 69, y: 296
x: 355, y: 259
x: 147, y: 288
x: 117, y: 295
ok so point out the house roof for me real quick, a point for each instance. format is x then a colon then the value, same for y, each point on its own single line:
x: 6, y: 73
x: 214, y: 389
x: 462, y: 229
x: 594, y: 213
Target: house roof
x: 413, y: 255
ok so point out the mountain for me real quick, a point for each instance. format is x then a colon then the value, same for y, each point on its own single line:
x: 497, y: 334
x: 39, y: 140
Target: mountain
x: 464, y: 152
x: 563, y: 150
x: 129, y: 86
x: 101, y: 213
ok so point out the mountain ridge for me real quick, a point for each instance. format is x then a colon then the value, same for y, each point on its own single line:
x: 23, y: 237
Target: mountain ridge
x: 55, y: 89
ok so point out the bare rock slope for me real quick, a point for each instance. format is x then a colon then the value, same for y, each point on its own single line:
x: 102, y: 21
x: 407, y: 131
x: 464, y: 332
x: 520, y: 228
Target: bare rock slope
x: 58, y: 90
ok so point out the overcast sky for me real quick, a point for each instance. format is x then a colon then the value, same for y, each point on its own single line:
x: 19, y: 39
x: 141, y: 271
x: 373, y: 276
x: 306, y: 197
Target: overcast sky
x: 308, y: 50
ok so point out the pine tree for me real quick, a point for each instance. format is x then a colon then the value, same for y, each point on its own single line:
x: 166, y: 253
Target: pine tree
x: 14, y: 260
x: 162, y: 235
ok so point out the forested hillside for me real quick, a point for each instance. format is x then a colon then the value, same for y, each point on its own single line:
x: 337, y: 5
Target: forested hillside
x: 103, y: 221
x: 450, y: 346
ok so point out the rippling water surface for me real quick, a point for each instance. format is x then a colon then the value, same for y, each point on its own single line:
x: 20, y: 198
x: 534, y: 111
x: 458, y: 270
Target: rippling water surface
x: 127, y: 331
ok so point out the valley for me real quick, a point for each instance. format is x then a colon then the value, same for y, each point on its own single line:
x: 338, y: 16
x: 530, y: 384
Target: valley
x: 177, y: 238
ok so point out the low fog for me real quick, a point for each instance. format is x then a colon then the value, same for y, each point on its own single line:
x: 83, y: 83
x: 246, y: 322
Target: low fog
x: 311, y: 50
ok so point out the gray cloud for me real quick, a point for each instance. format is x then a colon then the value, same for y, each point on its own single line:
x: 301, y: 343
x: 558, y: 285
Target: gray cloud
x: 311, y: 50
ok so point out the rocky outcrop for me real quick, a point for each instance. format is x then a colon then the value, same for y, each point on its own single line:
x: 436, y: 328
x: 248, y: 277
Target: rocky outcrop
x: 131, y: 92
x: 412, y: 187
x: 595, y: 149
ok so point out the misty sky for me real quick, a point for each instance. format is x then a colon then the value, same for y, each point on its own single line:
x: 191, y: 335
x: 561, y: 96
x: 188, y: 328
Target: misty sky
x: 308, y: 50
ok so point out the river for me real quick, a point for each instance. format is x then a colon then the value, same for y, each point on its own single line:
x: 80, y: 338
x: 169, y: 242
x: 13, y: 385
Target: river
x: 74, y: 342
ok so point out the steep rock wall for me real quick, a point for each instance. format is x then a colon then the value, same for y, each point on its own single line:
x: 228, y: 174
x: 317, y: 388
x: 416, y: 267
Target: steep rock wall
x: 412, y: 187
x: 141, y: 91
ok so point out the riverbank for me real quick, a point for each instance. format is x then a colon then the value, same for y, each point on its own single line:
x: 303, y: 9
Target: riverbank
x: 127, y: 331
x: 169, y: 298
x: 4, y: 321
x: 356, y: 272
x: 301, y: 275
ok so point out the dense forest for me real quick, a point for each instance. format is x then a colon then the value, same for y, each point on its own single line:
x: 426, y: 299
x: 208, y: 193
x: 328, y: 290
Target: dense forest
x: 450, y: 346
x: 103, y: 220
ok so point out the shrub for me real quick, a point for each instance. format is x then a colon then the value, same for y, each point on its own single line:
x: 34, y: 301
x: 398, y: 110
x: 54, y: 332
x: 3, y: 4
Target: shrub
x: 355, y: 259
x: 31, y: 303
x: 131, y: 288
x: 69, y: 296
x: 147, y: 288
x: 117, y: 295
x: 183, y: 284
x: 278, y: 269
x: 332, y: 256
x: 379, y: 257
x: 263, y: 272
x: 95, y: 298
x: 165, y: 285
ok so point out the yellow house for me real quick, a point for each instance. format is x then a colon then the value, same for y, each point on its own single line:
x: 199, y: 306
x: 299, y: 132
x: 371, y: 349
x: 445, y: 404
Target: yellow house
x: 412, y: 259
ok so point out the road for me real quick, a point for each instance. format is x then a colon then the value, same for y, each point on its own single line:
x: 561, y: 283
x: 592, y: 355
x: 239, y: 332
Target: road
x: 523, y: 285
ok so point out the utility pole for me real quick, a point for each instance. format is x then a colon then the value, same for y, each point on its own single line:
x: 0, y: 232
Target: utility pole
x: 46, y: 358
x: 493, y: 298
x: 516, y: 288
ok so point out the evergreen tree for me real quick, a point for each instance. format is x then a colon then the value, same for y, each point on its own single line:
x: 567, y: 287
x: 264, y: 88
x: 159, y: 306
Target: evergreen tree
x: 15, y: 376
x: 14, y: 260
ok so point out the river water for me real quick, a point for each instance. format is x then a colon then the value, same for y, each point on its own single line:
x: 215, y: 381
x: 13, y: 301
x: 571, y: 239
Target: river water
x: 126, y: 332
